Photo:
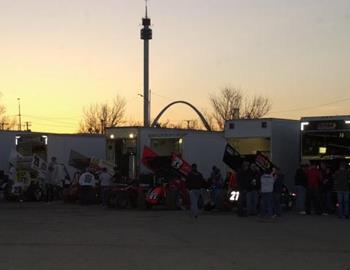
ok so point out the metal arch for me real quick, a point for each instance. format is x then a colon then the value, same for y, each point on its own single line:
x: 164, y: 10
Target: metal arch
x: 204, y: 121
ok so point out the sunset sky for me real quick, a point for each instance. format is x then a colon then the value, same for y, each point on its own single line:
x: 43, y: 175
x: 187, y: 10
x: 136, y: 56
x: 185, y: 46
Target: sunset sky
x: 61, y: 55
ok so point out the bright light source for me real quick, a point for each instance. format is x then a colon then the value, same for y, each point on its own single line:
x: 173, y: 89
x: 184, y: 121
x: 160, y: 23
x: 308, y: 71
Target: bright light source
x: 322, y: 150
x: 131, y: 135
x: 45, y: 139
x: 111, y: 136
x: 347, y: 121
x: 303, y: 124
x: 180, y: 141
x: 17, y: 139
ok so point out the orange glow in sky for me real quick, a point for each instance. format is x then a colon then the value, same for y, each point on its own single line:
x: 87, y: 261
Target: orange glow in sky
x: 61, y: 55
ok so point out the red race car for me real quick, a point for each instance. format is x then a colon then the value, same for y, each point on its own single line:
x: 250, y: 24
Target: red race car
x: 123, y: 195
x: 172, y: 194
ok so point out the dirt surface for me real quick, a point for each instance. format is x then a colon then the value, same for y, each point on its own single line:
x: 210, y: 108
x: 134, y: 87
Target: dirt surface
x: 58, y: 236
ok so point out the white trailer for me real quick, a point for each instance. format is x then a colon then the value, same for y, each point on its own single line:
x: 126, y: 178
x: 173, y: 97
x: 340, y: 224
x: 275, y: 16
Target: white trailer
x: 7, y: 144
x: 48, y: 145
x: 125, y: 147
x: 278, y: 139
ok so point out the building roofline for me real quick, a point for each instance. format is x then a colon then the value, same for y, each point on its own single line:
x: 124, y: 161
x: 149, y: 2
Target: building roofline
x: 262, y: 119
x: 330, y: 117
x: 165, y: 129
x: 49, y: 133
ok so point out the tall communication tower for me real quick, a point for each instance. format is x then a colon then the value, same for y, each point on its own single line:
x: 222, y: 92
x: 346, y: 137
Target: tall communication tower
x: 146, y: 35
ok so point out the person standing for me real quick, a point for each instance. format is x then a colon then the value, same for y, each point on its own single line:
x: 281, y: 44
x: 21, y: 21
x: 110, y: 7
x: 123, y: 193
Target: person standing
x: 244, y: 177
x: 194, y: 185
x: 12, y: 175
x: 314, y: 179
x: 231, y: 180
x: 217, y: 185
x: 326, y: 189
x: 267, y: 180
x: 12, y: 179
x: 105, y: 182
x: 117, y: 177
x: 277, y: 191
x: 86, y: 185
x: 300, y: 181
x: 253, y: 190
x: 51, y: 179
x: 341, y: 186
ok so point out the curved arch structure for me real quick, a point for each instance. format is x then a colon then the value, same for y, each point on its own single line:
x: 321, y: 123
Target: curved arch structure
x: 205, y: 123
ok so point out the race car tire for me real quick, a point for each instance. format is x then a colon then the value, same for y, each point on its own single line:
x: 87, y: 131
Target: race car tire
x: 171, y: 199
x: 141, y: 201
x: 112, y: 201
x: 122, y: 200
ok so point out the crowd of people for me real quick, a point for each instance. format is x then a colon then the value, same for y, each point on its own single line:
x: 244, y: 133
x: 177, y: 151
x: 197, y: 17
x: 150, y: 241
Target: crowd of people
x: 251, y: 184
x: 254, y: 184
x: 318, y: 188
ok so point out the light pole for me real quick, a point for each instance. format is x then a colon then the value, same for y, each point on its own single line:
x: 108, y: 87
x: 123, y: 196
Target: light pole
x: 102, y: 126
x: 19, y: 114
x: 146, y: 36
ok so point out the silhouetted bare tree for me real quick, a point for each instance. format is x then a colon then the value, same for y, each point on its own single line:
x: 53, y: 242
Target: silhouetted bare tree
x: 164, y: 124
x: 98, y: 116
x: 231, y: 103
x: 256, y: 107
x: 181, y: 124
x: 6, y: 122
x: 132, y: 123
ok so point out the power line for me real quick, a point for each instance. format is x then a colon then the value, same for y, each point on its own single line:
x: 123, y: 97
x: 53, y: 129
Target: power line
x: 54, y: 124
x: 48, y: 119
x: 131, y: 99
x: 314, y: 107
x: 164, y: 97
x: 51, y: 118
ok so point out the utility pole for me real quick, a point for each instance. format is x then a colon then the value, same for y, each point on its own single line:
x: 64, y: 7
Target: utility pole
x: 28, y: 124
x: 19, y: 115
x: 102, y: 126
x: 188, y: 123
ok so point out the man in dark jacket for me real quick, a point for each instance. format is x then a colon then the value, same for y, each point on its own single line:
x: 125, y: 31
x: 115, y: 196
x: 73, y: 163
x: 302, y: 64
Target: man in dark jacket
x: 277, y: 191
x: 326, y: 189
x: 300, y: 181
x: 244, y: 177
x: 253, y: 189
x: 195, y: 182
x: 341, y: 186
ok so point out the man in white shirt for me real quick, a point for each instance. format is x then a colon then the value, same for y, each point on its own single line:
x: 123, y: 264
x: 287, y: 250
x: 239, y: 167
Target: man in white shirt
x: 86, y: 185
x: 266, y: 208
x: 105, y: 182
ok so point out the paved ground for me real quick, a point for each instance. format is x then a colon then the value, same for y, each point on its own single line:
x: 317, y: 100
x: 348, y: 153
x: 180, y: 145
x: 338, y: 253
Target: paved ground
x: 57, y: 236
